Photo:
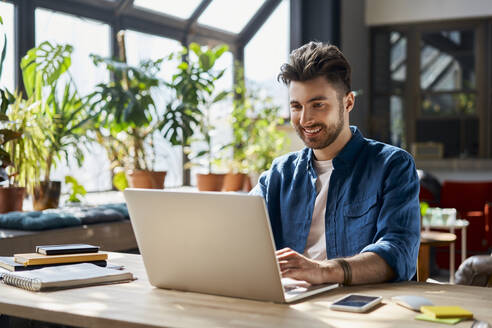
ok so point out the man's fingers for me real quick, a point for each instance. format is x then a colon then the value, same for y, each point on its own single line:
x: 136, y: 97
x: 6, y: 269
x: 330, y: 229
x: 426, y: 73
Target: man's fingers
x: 292, y: 273
x: 287, y: 255
x: 283, y: 250
x: 288, y: 264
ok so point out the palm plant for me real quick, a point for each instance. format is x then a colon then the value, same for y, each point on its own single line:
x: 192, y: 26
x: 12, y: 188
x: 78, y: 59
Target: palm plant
x: 28, y: 153
x: 43, y: 68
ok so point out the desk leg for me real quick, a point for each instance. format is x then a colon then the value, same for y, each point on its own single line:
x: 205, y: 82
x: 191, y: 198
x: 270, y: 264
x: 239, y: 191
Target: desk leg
x: 451, y: 259
x: 463, y: 244
x: 423, y: 263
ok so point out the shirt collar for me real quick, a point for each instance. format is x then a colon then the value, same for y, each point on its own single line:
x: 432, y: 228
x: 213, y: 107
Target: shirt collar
x: 346, y: 157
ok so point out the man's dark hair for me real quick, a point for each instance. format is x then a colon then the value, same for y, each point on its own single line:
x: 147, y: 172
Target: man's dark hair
x: 316, y: 59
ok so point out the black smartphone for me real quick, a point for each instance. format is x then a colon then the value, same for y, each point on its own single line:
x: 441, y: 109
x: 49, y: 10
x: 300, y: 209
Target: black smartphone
x: 66, y: 249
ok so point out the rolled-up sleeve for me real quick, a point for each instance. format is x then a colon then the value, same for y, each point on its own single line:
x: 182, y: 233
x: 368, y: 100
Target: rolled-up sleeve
x: 398, y: 226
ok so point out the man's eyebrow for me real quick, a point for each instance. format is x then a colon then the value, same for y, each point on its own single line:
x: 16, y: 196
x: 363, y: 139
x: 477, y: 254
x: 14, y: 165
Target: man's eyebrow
x: 318, y: 98
x: 310, y: 100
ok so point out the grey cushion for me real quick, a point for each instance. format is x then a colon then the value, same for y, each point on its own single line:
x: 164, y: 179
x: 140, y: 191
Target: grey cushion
x: 475, y: 271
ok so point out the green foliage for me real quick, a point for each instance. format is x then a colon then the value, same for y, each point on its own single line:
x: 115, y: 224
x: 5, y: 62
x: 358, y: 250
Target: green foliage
x: 255, y: 122
x: 43, y: 68
x: 6, y: 135
x: 125, y: 109
x: 76, y: 189
x: 120, y: 181
x: 195, y: 87
x: 28, y: 153
x: 423, y: 208
x: 43, y: 65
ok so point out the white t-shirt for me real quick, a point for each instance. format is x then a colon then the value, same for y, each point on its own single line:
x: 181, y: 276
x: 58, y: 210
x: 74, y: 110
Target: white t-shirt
x: 316, y: 242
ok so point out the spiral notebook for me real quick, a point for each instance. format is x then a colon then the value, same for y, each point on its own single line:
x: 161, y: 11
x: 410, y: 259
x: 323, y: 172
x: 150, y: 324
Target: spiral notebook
x: 66, y: 276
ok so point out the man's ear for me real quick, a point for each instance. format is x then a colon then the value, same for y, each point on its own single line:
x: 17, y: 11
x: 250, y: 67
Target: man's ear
x: 349, y: 101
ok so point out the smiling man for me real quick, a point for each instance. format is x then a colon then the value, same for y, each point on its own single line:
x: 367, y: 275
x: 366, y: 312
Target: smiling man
x: 345, y: 208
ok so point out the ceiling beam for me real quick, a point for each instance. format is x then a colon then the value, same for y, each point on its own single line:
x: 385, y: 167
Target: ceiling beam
x: 97, y: 10
x: 197, y: 13
x: 257, y: 21
x: 122, y: 6
x: 142, y: 20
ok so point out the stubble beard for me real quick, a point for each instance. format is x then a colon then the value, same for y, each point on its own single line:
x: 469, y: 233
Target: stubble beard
x: 327, y: 135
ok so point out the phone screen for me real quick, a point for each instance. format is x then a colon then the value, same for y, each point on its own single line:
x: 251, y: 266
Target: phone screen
x: 355, y: 300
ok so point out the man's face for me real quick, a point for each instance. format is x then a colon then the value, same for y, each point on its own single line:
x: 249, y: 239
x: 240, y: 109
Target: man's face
x: 317, y: 112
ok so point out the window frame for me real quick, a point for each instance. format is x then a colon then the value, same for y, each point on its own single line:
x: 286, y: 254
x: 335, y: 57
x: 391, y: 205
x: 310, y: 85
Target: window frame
x: 412, y: 93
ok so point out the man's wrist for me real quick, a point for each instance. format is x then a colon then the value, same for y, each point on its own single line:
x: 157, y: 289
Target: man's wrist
x: 332, y: 272
x: 347, y: 271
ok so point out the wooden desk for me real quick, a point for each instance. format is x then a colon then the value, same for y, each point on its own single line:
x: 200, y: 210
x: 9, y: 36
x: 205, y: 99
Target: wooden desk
x: 137, y: 304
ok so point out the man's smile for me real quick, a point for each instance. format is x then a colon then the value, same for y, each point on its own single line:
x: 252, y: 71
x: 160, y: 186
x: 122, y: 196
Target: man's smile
x: 311, y: 131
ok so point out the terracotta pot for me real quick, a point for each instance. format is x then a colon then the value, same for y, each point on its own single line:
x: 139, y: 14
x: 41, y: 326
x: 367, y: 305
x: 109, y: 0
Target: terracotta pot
x: 11, y: 199
x: 146, y: 179
x: 209, y: 182
x: 46, y: 195
x: 233, y: 182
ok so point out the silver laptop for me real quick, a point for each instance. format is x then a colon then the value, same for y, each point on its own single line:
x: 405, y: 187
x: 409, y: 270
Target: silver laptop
x: 214, y: 243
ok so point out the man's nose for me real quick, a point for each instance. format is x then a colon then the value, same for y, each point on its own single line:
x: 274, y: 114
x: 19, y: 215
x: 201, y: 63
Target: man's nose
x: 306, y: 117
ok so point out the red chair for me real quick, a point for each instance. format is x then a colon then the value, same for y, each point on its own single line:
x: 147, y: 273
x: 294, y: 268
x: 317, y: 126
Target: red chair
x: 470, y: 199
x: 488, y: 220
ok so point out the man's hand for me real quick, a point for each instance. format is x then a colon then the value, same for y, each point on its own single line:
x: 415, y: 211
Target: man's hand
x: 296, y: 266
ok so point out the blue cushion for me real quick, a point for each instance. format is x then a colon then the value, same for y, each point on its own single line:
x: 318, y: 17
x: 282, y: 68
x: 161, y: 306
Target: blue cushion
x: 63, y: 217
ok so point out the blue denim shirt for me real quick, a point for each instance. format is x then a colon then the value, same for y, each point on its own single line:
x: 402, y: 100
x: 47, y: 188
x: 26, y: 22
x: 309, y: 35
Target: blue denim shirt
x: 372, y: 203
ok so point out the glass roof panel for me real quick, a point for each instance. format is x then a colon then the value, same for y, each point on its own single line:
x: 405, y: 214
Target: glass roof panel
x: 182, y: 8
x: 230, y: 15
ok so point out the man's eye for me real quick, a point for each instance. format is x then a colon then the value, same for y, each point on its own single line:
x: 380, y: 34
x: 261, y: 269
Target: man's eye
x: 295, y: 107
x: 318, y: 105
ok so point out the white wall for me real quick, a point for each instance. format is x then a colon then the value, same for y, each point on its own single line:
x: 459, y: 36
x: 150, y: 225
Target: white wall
x: 380, y: 12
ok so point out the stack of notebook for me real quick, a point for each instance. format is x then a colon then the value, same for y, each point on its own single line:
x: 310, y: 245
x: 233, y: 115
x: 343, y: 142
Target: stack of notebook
x: 50, y: 255
x: 60, y: 266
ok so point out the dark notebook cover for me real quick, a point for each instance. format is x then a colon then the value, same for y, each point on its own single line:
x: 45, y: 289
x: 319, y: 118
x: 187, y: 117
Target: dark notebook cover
x: 8, y: 263
x: 66, y: 249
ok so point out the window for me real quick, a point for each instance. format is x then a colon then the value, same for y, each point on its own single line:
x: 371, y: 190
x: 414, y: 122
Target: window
x: 266, y: 52
x: 7, y: 29
x: 229, y: 15
x: 390, y: 73
x: 429, y: 85
x: 87, y: 37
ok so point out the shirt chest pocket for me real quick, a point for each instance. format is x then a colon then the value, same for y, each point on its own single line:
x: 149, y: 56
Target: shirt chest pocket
x: 360, y: 223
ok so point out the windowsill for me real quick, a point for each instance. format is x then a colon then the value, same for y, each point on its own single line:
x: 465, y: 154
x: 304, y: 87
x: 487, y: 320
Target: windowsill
x: 99, y: 198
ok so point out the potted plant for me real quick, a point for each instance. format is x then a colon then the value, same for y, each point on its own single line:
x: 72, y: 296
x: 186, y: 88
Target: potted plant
x: 127, y: 119
x: 20, y: 145
x: 27, y: 152
x: 195, y: 88
x: 43, y: 69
